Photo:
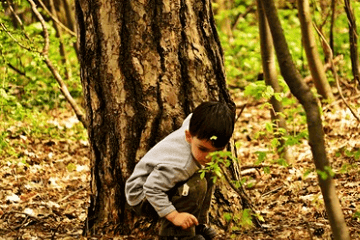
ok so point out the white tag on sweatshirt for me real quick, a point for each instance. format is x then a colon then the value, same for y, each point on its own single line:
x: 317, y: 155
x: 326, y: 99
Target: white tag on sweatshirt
x: 185, y: 191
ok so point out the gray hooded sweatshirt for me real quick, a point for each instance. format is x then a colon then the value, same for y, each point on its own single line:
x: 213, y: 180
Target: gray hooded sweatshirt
x: 166, y: 164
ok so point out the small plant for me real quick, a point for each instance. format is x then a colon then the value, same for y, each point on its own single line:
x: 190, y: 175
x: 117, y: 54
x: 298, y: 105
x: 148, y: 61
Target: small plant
x: 356, y: 215
x: 218, y: 159
x: 346, y: 168
x: 242, y: 220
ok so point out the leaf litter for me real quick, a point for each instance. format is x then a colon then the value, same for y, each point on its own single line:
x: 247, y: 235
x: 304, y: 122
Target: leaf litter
x: 45, y: 193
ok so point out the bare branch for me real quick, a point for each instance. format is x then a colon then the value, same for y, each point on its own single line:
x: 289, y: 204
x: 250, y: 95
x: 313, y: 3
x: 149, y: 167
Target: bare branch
x: 15, y: 40
x: 42, y: 21
x: 72, y: 33
x: 16, y: 70
x: 18, y: 20
x: 329, y: 51
x: 56, y: 74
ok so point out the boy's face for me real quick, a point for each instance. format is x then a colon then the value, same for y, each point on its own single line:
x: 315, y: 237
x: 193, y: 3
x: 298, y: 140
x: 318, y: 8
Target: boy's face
x: 200, y: 148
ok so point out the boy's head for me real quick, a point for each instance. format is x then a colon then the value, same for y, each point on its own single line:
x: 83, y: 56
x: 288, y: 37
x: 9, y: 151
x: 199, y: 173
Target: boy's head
x: 211, y: 127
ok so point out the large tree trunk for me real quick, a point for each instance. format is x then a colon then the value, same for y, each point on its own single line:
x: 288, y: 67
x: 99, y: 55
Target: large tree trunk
x: 144, y: 66
x: 316, y: 134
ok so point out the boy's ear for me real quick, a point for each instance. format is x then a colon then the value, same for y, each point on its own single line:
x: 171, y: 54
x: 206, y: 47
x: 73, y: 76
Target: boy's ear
x: 188, y: 136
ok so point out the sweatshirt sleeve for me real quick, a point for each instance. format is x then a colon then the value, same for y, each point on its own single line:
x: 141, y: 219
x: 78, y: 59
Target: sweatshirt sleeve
x: 161, y: 180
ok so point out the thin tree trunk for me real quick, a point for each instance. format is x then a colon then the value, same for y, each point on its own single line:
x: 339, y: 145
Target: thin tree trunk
x: 313, y: 57
x: 270, y: 75
x: 332, y: 23
x: 353, y: 37
x: 144, y: 66
x: 224, y: 6
x: 65, y: 61
x: 316, y: 134
x: 68, y: 6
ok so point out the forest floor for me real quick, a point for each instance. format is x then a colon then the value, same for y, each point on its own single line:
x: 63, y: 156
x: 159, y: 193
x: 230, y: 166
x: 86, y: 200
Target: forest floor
x: 46, y: 194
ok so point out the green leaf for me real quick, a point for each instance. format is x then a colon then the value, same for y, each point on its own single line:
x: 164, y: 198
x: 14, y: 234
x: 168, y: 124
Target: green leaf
x: 322, y: 174
x: 71, y: 167
x: 213, y: 138
x: 227, y: 217
x: 261, y: 156
x: 202, y: 174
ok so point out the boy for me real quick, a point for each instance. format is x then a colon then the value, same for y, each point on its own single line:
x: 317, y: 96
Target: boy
x: 166, y: 182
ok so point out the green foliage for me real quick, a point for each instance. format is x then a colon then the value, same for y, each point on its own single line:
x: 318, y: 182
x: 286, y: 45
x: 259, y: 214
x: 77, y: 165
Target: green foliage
x: 3, y: 140
x: 326, y: 173
x: 357, y: 215
x: 26, y: 82
x: 259, y: 90
x: 348, y: 153
x: 347, y: 168
x: 28, y: 90
x: 243, y: 220
x: 218, y: 159
x: 242, y: 45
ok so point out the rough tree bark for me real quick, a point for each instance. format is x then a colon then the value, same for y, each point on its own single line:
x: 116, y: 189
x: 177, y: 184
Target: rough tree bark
x: 316, y: 135
x: 144, y: 66
x: 308, y: 40
x: 270, y: 76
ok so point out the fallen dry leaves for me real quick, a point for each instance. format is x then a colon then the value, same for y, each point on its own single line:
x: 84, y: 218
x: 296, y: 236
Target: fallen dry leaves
x: 45, y: 196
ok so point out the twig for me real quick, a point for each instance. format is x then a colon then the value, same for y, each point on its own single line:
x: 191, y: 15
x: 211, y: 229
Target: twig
x: 336, y: 102
x: 245, y: 199
x: 19, y: 21
x: 353, y: 42
x: 63, y: 53
x: 55, y: 230
x: 272, y: 191
x: 59, y: 79
x: 23, y: 223
x: 242, y: 15
x: 16, y: 69
x: 43, y: 24
x: 254, y: 166
x: 335, y: 73
x: 308, y: 228
x: 15, y: 40
x: 241, y: 111
x: 72, y: 33
x: 72, y: 194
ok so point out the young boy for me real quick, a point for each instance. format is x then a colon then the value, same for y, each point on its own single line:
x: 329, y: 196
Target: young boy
x: 166, y: 182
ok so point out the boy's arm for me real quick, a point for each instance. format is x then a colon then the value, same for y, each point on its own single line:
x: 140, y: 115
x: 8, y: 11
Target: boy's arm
x: 158, y: 183
x: 183, y: 219
x: 161, y: 180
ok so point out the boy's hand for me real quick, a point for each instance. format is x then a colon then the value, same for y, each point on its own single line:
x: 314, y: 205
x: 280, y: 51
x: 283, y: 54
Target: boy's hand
x: 183, y: 219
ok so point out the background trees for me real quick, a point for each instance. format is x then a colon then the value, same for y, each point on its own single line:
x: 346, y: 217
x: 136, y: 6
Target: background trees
x: 29, y: 95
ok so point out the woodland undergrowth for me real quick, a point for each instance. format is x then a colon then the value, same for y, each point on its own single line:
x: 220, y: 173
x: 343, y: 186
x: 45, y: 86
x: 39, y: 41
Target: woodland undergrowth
x: 45, y: 178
